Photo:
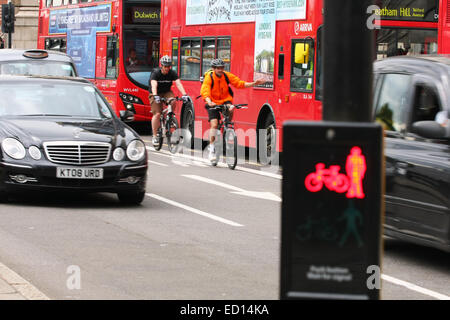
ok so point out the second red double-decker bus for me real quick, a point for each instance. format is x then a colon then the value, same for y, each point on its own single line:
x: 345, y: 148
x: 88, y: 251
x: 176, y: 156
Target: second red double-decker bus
x: 280, y: 41
x: 277, y: 40
x: 114, y: 43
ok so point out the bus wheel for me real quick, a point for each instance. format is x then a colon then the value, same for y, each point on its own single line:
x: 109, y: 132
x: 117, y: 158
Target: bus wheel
x: 267, y: 141
x: 188, y: 124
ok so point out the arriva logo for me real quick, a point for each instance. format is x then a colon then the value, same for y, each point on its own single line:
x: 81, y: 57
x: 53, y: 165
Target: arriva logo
x: 302, y: 27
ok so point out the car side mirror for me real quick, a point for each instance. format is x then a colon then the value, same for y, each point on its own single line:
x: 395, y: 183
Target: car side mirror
x: 429, y: 129
x: 126, y: 116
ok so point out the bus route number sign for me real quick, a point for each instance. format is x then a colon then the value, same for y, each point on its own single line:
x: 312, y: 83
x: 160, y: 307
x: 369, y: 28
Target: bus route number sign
x: 331, y: 211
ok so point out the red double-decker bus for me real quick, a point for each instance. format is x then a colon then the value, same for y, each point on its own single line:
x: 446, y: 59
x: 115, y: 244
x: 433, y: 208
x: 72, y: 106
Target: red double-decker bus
x: 114, y: 43
x: 277, y: 40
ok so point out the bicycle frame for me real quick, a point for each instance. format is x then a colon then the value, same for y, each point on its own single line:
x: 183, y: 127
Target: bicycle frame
x: 166, y: 118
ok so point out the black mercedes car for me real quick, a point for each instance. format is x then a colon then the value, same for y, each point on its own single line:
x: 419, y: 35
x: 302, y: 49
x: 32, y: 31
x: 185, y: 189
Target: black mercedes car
x: 412, y: 102
x: 61, y: 134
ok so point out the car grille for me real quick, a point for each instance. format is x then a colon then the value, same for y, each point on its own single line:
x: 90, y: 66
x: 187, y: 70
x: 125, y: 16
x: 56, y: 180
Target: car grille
x: 77, y: 153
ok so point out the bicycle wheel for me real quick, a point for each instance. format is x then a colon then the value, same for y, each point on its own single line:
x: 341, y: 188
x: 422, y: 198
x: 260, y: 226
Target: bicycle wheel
x: 173, y: 138
x: 160, y: 140
x: 231, y: 148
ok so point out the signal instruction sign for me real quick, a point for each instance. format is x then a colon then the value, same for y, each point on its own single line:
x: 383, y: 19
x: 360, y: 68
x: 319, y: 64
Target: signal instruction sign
x: 331, y: 212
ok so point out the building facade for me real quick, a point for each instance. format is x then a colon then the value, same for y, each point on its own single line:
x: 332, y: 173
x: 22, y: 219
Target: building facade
x: 25, y: 25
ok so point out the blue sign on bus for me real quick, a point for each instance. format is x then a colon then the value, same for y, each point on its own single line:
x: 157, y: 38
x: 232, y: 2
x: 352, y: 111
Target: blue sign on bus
x: 98, y: 18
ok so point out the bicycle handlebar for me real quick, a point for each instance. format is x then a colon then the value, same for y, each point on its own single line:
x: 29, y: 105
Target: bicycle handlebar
x: 237, y: 106
x: 169, y: 100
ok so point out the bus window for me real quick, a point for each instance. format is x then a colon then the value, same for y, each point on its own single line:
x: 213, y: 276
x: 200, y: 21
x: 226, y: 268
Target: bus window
x: 175, y: 46
x: 209, y: 53
x: 319, y: 66
x: 302, y: 72
x: 56, y: 44
x: 112, y: 58
x: 281, y: 66
x: 190, y: 59
x: 396, y: 42
x: 224, y: 51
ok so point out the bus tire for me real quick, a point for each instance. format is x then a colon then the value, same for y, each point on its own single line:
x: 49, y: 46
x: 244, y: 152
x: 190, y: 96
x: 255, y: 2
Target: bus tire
x: 267, y: 141
x: 188, y: 123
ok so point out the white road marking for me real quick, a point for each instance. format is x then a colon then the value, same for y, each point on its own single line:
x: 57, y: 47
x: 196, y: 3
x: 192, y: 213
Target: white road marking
x: 236, y: 190
x: 26, y: 289
x: 193, y: 210
x: 158, y: 163
x: 414, y: 287
x: 221, y: 164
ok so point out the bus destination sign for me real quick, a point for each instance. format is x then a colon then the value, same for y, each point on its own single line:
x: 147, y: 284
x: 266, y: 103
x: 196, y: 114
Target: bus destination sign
x: 146, y: 14
x: 415, y: 10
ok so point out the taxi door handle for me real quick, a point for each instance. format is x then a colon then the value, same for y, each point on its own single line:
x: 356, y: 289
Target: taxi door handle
x: 402, y: 168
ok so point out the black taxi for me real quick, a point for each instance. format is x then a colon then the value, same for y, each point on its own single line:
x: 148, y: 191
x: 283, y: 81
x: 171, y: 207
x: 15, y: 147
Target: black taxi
x: 36, y: 62
x: 412, y: 103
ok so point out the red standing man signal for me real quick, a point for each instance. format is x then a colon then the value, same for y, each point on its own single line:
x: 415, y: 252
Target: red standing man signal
x: 356, y: 169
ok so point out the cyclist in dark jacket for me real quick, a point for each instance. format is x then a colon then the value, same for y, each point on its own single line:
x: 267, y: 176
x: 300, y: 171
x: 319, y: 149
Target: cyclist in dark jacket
x: 160, y: 86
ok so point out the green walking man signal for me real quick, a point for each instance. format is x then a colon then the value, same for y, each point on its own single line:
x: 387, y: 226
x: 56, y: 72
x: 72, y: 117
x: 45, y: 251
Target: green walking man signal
x: 8, y: 18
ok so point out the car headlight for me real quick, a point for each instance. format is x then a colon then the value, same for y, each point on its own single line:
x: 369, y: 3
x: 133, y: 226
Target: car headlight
x: 35, y: 153
x: 13, y: 148
x: 136, y: 150
x: 118, y: 154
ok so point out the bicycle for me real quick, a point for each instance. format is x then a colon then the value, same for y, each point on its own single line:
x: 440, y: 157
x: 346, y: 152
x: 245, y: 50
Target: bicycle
x: 169, y: 124
x: 316, y: 229
x: 226, y: 129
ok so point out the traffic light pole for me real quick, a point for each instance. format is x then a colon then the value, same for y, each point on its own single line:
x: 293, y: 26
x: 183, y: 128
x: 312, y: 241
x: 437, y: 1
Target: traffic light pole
x: 12, y: 17
x: 8, y: 17
x: 348, y: 57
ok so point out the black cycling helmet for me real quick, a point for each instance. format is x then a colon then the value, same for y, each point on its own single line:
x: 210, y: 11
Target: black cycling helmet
x: 215, y: 63
x: 166, y: 61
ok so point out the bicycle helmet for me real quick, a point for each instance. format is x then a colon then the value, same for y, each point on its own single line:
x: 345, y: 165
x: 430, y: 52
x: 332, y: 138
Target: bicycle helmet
x: 215, y: 63
x: 166, y: 61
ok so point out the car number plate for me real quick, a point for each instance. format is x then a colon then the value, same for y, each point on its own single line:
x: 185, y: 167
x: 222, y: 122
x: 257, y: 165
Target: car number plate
x: 79, y: 173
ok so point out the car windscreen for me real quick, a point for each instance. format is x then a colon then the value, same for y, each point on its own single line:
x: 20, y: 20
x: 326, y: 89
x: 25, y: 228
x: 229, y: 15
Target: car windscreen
x: 52, y: 99
x: 37, y: 67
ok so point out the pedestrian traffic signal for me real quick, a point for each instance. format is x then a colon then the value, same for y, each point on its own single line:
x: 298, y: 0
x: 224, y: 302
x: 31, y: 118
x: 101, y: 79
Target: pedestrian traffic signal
x: 8, y: 18
x: 331, y: 211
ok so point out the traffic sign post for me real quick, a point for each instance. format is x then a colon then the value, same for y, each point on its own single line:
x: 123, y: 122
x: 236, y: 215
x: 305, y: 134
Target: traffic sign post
x: 331, y: 211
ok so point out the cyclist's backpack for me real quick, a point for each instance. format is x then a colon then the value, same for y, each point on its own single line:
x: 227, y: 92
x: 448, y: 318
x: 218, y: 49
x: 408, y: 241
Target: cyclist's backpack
x: 210, y: 73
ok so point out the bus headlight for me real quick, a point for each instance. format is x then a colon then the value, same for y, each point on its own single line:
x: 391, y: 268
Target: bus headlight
x: 13, y: 148
x: 136, y: 150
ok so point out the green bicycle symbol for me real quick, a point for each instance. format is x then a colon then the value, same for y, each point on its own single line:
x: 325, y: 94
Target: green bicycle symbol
x: 319, y: 229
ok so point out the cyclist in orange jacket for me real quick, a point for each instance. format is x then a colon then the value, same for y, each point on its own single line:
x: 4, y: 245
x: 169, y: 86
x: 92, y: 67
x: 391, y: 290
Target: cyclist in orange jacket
x: 216, y: 91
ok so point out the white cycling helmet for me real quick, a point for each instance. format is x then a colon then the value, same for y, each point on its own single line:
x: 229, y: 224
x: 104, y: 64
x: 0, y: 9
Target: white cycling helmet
x: 166, y: 61
x: 217, y: 63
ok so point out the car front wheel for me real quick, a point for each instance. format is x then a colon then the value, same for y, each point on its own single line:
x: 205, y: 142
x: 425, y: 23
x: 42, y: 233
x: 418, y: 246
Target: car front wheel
x: 131, y: 198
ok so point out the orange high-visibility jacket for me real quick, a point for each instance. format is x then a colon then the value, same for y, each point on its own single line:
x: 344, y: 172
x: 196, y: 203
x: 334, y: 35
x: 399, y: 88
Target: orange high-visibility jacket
x: 220, y: 94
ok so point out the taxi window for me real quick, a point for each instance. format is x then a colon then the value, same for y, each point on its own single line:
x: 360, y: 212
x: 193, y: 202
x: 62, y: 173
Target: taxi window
x: 392, y: 104
x: 47, y: 68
